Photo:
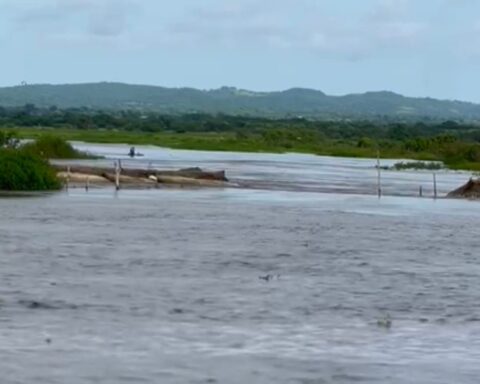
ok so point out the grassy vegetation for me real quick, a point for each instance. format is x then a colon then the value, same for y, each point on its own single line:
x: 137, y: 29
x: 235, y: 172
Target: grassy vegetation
x: 52, y: 147
x: 232, y: 141
x: 26, y: 167
x: 213, y: 141
x: 23, y: 171
x: 431, y: 166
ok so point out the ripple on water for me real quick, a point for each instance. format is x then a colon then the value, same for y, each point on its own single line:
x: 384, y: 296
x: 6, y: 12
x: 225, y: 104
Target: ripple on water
x: 165, y: 288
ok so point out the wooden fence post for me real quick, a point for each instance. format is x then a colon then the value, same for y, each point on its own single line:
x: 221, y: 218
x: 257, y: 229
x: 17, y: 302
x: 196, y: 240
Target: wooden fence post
x: 117, y: 175
x: 379, y: 176
x: 68, y: 178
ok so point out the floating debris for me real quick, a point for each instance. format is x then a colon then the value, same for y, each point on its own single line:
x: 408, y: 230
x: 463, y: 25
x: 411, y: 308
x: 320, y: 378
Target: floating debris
x: 34, y: 304
x: 177, y: 311
x: 269, y: 277
x: 385, y: 322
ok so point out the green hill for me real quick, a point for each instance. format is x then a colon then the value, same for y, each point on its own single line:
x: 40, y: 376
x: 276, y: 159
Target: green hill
x: 293, y: 102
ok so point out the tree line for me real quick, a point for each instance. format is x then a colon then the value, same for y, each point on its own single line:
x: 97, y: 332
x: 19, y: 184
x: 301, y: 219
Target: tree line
x: 454, y: 142
x: 129, y: 120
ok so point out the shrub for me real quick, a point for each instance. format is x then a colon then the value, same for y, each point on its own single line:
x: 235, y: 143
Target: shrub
x: 23, y: 171
x: 53, y: 147
x: 8, y: 140
x: 366, y: 142
x: 418, y: 165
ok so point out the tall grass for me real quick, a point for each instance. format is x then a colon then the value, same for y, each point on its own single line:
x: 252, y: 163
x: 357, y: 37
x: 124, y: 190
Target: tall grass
x: 52, y: 147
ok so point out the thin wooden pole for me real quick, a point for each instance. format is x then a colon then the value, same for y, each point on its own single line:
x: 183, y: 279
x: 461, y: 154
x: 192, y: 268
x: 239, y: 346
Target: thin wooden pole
x: 435, y: 194
x: 117, y: 175
x: 379, y: 176
x: 87, y: 184
x: 420, y: 191
x: 68, y: 177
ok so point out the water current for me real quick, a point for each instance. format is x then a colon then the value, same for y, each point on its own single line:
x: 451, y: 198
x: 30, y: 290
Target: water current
x: 289, y: 277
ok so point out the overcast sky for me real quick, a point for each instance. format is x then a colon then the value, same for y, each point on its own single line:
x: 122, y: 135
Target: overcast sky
x: 413, y: 47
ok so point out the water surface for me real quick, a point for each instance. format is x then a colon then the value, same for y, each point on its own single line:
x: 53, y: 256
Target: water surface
x: 162, y: 286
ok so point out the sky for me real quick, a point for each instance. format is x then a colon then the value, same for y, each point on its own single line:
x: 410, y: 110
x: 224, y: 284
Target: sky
x: 413, y: 47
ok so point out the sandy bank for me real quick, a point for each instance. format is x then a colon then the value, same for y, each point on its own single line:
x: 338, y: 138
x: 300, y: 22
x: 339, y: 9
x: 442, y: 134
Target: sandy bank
x: 84, y: 176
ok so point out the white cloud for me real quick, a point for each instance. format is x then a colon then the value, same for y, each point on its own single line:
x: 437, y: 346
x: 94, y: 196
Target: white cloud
x: 93, y: 17
x: 380, y: 27
x: 230, y: 24
x: 388, y: 26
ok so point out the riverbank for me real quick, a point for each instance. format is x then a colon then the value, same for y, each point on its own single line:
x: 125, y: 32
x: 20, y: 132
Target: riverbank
x: 81, y: 176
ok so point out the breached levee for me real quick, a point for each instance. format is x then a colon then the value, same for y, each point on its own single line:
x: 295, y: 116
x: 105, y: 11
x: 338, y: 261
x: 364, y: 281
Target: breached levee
x: 80, y: 176
x: 471, y: 190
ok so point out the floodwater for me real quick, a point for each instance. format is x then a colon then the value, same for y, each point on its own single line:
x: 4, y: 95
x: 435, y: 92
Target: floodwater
x: 162, y: 286
x: 288, y: 172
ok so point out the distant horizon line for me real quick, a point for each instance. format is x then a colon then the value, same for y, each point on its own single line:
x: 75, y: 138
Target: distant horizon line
x: 26, y: 84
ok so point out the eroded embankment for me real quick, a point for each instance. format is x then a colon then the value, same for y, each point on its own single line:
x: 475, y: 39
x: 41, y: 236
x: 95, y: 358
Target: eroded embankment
x: 79, y: 176
x: 470, y: 190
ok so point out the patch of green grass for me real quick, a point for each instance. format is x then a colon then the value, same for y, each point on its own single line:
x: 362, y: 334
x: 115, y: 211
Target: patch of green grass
x: 464, y: 166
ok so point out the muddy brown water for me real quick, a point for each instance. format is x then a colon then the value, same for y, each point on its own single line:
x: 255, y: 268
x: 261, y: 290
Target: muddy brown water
x: 163, y: 286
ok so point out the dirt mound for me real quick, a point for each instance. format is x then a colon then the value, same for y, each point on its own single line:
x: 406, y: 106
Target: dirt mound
x: 471, y: 190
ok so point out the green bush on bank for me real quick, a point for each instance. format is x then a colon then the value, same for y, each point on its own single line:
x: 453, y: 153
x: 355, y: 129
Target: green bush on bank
x: 8, y: 139
x: 23, y: 171
x: 52, y: 147
x: 26, y: 167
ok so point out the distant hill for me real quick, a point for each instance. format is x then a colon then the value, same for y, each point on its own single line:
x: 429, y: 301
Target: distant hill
x: 290, y: 103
